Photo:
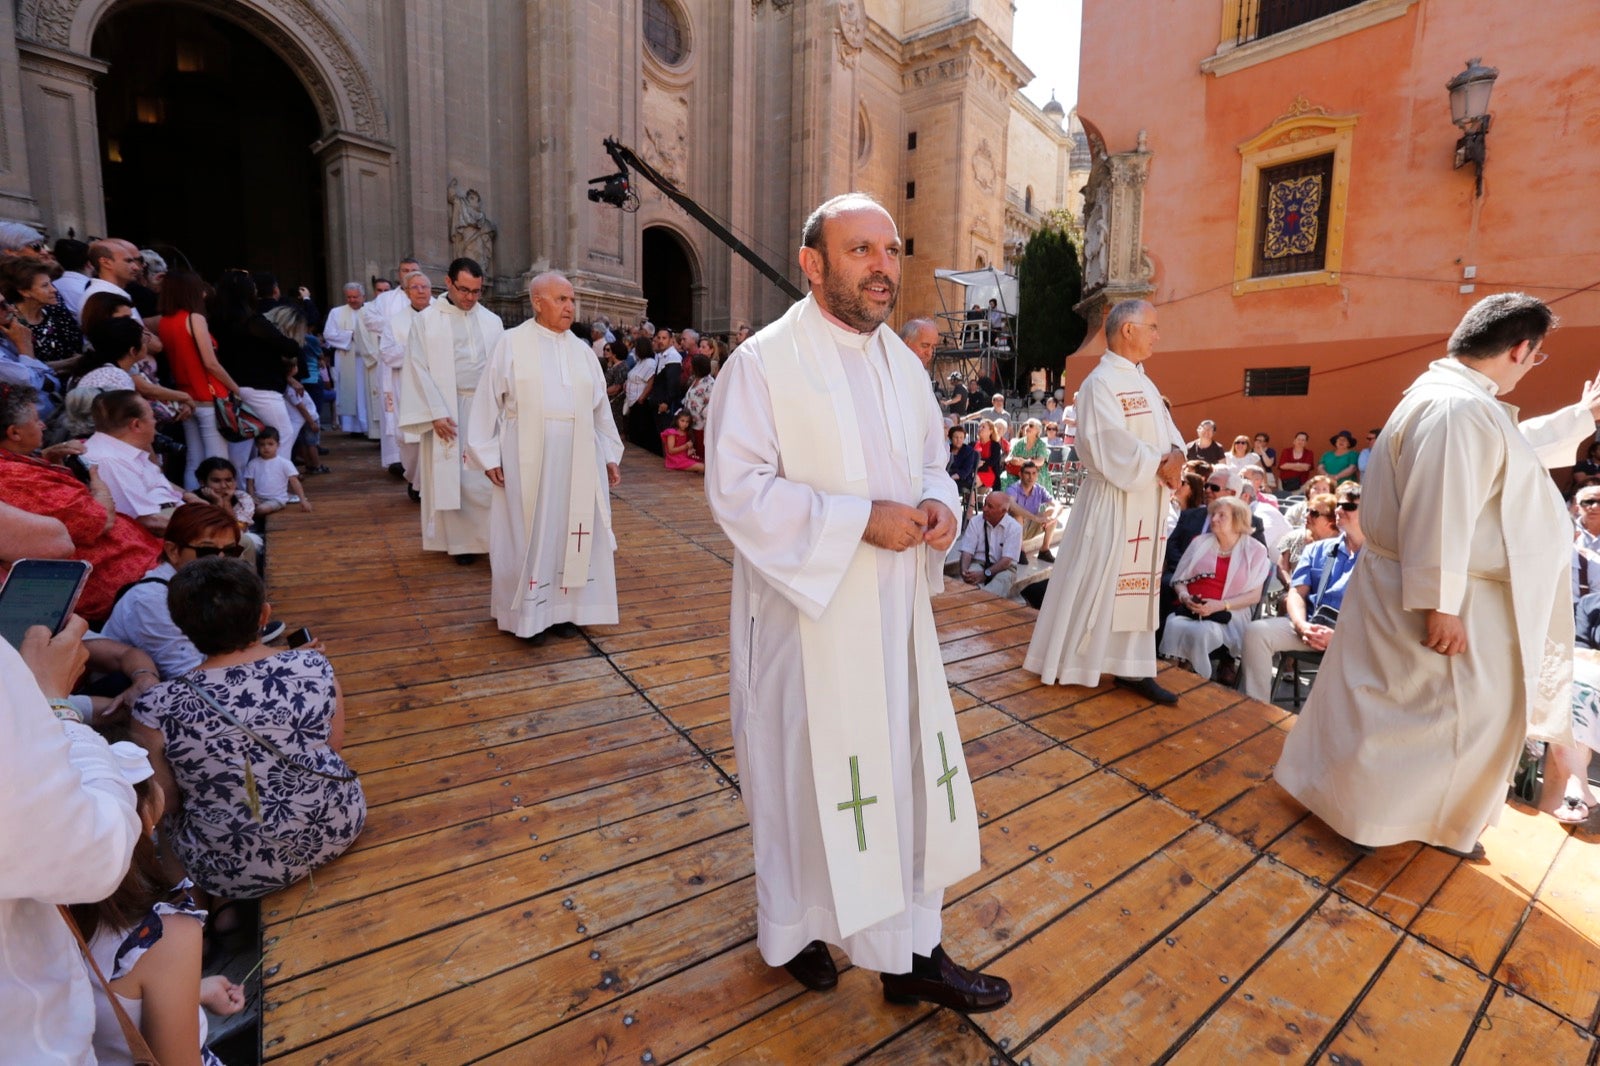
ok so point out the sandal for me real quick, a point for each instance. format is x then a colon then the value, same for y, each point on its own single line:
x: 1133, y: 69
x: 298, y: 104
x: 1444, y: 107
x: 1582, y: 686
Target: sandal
x: 1573, y: 811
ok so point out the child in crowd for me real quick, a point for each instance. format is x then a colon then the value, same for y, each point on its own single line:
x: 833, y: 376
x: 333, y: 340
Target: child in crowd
x: 271, y: 478
x: 219, y: 483
x: 677, y: 448
x: 146, y: 939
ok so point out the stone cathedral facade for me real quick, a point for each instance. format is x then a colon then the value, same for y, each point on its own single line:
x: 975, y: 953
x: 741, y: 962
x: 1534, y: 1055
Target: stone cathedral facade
x: 433, y: 128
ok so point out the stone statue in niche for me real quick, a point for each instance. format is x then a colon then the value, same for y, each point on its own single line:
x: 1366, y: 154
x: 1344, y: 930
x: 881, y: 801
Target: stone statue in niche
x: 472, y: 233
x: 1095, y: 252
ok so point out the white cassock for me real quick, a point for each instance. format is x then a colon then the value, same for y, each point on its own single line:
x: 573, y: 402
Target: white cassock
x: 389, y: 316
x: 355, y: 368
x: 541, y: 414
x: 849, y: 756
x: 1398, y: 742
x: 445, y: 357
x: 1101, y: 608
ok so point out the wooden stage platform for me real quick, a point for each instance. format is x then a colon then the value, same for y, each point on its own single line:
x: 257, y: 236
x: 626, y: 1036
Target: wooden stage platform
x: 557, y: 866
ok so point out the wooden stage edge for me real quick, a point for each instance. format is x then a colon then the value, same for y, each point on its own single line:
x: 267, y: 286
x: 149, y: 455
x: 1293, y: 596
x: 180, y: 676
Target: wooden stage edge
x: 557, y: 867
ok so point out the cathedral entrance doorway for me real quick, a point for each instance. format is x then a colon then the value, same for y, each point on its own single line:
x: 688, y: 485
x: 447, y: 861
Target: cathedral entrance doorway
x: 206, y: 146
x: 669, y: 279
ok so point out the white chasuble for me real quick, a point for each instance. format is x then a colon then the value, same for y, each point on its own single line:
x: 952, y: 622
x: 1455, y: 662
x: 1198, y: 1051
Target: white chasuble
x: 1102, y: 605
x: 541, y: 415
x: 859, y: 827
x: 355, y: 368
x: 444, y: 360
x: 1397, y: 742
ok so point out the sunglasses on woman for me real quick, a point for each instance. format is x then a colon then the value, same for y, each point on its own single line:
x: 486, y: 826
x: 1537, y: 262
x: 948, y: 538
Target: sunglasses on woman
x: 1349, y: 505
x: 206, y: 551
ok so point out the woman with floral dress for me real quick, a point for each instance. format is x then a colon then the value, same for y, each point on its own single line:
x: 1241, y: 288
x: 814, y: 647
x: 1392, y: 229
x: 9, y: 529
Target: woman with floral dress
x: 246, y: 745
x: 698, y: 399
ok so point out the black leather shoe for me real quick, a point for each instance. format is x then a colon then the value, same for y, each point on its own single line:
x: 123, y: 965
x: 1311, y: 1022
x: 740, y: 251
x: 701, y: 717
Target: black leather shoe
x: 936, y: 979
x: 568, y: 629
x: 465, y: 560
x: 1147, y: 687
x: 814, y: 967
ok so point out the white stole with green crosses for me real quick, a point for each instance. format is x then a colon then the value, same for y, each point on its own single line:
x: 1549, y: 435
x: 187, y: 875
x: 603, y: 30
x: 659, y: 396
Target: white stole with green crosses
x: 842, y: 651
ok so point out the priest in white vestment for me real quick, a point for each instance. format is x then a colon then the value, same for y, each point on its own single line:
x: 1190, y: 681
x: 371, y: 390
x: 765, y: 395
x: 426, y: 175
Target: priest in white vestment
x: 450, y: 341
x: 1102, y: 606
x: 416, y: 295
x: 355, y: 362
x: 826, y: 469
x: 1455, y: 636
x: 541, y: 428
x: 382, y: 416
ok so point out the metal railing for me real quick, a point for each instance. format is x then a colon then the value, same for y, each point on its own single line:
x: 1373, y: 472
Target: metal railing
x: 1263, y: 18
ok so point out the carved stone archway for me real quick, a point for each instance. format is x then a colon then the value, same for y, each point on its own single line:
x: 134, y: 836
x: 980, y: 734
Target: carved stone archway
x: 54, y: 39
x: 313, y: 41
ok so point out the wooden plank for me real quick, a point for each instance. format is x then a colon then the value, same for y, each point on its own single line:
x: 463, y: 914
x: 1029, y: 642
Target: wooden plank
x: 326, y: 936
x: 945, y: 1038
x: 1283, y: 1010
x: 1261, y: 815
x: 666, y: 1019
x: 1003, y: 791
x: 1496, y: 891
x: 1418, y: 1012
x: 1146, y: 1008
x: 1119, y: 919
x: 1513, y: 1029
x: 1226, y: 775
x: 1404, y: 897
x: 422, y: 813
x: 483, y: 952
x: 368, y: 869
x: 1021, y: 905
x: 837, y: 1027
x: 1151, y: 725
x: 1188, y: 748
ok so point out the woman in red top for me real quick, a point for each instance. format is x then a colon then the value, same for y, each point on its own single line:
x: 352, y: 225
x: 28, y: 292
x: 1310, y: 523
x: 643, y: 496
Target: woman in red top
x: 192, y: 357
x: 1295, y: 464
x: 118, y: 547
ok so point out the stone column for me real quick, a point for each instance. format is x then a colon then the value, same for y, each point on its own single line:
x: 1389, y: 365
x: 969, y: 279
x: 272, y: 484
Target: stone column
x: 358, y: 177
x: 60, y: 127
x: 426, y: 147
x: 1116, y: 264
x: 16, y: 185
x: 583, y: 85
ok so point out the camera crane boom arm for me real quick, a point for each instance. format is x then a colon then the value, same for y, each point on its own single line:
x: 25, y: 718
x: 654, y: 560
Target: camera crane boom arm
x: 615, y: 191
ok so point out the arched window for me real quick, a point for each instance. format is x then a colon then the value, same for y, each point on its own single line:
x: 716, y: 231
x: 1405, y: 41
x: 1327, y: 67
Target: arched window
x: 664, y: 31
x: 1027, y: 200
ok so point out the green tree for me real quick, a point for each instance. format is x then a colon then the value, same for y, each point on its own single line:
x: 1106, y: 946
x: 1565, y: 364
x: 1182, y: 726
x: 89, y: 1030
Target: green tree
x: 1049, y: 283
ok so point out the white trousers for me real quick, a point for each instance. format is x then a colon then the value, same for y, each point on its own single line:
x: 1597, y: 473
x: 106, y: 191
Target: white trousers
x: 275, y: 413
x: 1262, y: 638
x: 203, y: 441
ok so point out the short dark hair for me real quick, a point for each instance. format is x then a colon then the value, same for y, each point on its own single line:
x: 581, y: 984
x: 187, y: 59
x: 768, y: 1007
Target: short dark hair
x: 700, y: 364
x: 265, y: 281
x: 115, y: 409
x: 210, y: 466
x: 217, y: 603
x: 115, y: 337
x: 18, y: 404
x: 71, y: 254
x: 268, y: 433
x: 470, y: 266
x: 1498, y: 323
x: 953, y: 430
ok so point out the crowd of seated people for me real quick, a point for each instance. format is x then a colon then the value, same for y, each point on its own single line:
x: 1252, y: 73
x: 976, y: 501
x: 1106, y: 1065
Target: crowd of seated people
x: 233, y: 766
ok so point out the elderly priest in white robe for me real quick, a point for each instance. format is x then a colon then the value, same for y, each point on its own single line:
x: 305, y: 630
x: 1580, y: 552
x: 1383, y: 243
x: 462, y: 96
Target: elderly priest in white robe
x: 827, y: 472
x: 449, y: 344
x: 386, y: 316
x: 1456, y: 633
x: 541, y: 427
x: 1101, y: 608
x: 355, y: 362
